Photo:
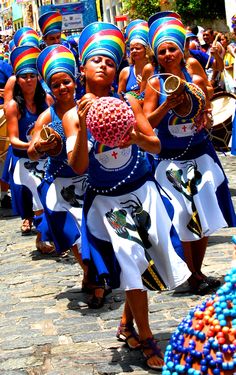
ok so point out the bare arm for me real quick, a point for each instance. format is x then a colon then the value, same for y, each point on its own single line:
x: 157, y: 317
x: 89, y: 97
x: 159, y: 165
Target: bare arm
x: 151, y: 108
x: 74, y: 124
x: 35, y: 153
x: 12, y: 117
x: 148, y: 71
x: 143, y: 134
x: 8, y: 90
x: 124, y: 74
x: 194, y: 67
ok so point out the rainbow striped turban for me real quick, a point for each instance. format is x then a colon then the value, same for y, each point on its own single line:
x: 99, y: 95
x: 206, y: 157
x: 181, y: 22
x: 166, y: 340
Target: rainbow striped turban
x: 166, y: 27
x: 101, y: 38
x: 26, y: 36
x: 1, y: 55
x: 6, y: 56
x: 137, y: 31
x: 63, y: 37
x: 55, y: 59
x: 23, y: 59
x: 11, y: 45
x: 50, y: 23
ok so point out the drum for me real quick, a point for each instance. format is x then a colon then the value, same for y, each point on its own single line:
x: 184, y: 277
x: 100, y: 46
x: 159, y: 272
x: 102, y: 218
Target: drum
x: 4, y: 140
x: 223, y: 110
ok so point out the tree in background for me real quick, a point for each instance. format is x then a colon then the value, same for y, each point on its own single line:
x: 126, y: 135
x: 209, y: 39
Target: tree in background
x: 141, y: 9
x: 200, y: 9
x: 190, y: 10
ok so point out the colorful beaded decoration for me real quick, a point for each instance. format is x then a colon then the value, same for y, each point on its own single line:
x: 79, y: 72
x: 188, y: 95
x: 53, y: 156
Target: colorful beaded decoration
x: 109, y: 120
x: 205, y: 341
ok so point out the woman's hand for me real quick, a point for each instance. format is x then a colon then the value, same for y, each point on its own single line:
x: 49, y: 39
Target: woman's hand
x: 204, y: 120
x: 139, y: 79
x: 129, y: 139
x: 83, y: 106
x: 174, y: 100
x: 42, y: 146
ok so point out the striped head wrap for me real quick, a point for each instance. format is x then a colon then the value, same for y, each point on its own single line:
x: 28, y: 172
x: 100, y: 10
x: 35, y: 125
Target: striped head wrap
x: 26, y: 36
x: 11, y: 45
x: 55, y: 59
x: 166, y: 29
x: 50, y: 23
x: 23, y: 59
x: 101, y: 38
x: 137, y: 31
x: 6, y: 56
x: 1, y: 55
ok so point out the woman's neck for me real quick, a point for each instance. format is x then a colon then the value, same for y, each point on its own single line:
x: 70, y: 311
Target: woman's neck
x: 30, y: 103
x: 139, y: 65
x: 98, y: 90
x: 62, y: 107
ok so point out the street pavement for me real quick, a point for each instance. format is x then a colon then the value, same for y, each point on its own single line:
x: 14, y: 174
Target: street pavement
x: 45, y: 324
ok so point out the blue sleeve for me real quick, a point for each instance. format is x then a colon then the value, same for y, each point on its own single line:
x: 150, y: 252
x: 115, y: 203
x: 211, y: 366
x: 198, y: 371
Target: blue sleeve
x: 201, y: 56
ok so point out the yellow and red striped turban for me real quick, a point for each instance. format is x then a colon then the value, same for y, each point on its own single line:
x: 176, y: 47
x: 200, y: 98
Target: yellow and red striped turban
x: 50, y: 23
x: 26, y: 36
x: 102, y: 38
x: 166, y: 27
x: 23, y: 59
x: 55, y: 59
x: 137, y: 30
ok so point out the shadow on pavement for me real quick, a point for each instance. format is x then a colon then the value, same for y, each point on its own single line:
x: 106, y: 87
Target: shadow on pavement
x: 78, y: 301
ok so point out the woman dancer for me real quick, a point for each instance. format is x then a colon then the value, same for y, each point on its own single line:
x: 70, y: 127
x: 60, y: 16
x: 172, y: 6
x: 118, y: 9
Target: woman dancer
x: 188, y: 168
x: 29, y: 100
x: 61, y: 191
x: 125, y: 238
x: 137, y: 39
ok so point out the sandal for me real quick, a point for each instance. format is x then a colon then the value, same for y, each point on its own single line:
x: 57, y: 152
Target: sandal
x: 127, y: 333
x: 96, y: 302
x: 45, y: 247
x: 26, y: 227
x: 199, y: 286
x: 212, y: 281
x: 151, y: 349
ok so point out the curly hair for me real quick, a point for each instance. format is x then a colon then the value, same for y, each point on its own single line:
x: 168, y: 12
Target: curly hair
x: 39, y: 98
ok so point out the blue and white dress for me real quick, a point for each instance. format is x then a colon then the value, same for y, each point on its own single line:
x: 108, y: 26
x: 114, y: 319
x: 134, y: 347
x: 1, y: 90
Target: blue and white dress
x: 132, y: 84
x: 127, y: 234
x: 61, y: 193
x: 25, y: 175
x: 189, y: 171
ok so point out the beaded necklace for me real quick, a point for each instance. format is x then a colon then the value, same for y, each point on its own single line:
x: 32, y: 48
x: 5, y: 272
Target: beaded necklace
x: 122, y: 182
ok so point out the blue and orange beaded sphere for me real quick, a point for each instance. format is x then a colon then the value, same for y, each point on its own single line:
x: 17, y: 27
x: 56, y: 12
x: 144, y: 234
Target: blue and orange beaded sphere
x: 205, y: 341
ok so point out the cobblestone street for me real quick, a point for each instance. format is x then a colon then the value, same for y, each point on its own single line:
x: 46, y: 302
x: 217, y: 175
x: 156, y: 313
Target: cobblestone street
x: 45, y: 324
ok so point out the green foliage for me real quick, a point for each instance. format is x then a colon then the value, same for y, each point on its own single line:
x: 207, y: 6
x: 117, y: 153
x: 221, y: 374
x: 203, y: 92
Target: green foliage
x: 140, y: 8
x: 199, y: 9
x: 190, y: 10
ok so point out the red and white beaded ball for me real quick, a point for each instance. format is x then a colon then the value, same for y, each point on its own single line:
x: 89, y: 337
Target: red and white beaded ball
x: 109, y: 119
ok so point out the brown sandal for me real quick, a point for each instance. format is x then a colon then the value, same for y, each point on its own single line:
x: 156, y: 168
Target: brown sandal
x: 151, y: 349
x: 26, y: 227
x: 45, y: 247
x: 127, y: 333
